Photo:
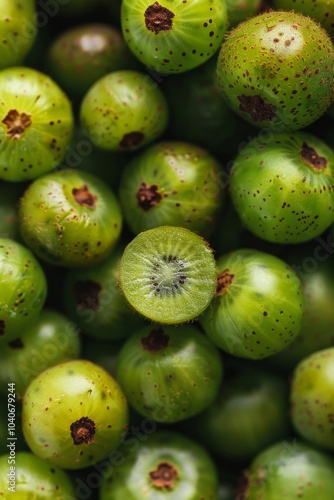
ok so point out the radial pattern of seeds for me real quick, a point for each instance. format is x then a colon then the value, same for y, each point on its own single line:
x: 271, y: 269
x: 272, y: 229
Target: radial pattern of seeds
x: 168, y: 274
x: 16, y: 123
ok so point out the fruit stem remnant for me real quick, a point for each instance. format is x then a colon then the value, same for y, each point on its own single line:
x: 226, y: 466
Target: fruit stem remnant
x: 164, y: 475
x: 155, y: 341
x: 16, y: 123
x: 82, y: 431
x: 83, y: 196
x: 224, y: 280
x: 311, y: 157
x: 148, y: 196
x: 158, y: 18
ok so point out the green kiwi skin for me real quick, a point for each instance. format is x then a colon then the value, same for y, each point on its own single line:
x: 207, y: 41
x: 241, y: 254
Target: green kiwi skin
x: 172, y: 183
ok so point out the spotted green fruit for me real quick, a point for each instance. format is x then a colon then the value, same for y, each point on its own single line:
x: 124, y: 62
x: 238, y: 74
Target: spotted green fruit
x: 36, y: 124
x: 27, y: 477
x: 124, y: 111
x: 70, y: 218
x: 74, y: 414
x: 312, y: 405
x: 282, y: 186
x: 172, y: 36
x: 23, y: 289
x: 291, y: 470
x: 18, y: 30
x: 258, y: 307
x: 275, y: 70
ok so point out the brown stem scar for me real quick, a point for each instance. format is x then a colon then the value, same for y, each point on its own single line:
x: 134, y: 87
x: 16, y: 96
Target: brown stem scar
x: 164, y: 475
x: 224, y: 280
x: 311, y: 157
x: 257, y: 108
x: 87, y: 294
x: 82, y: 431
x: 131, y: 140
x: 148, y: 196
x: 158, y: 18
x: 16, y: 123
x: 155, y: 341
x: 84, y: 197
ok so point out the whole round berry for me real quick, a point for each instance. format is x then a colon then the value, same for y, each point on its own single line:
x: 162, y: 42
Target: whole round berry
x: 70, y: 218
x: 18, y: 30
x: 169, y: 374
x: 36, y: 124
x: 185, y: 190
x: 74, y: 414
x: 289, y: 469
x: 282, y: 186
x: 275, y: 70
x: 173, y: 37
x: 29, y: 477
x: 168, y: 274
x: 23, y: 289
x: 124, y: 111
x: 312, y: 404
x: 164, y: 465
x: 258, y: 307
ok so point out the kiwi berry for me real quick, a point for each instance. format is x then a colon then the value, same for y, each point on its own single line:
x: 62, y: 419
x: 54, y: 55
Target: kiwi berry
x: 168, y: 274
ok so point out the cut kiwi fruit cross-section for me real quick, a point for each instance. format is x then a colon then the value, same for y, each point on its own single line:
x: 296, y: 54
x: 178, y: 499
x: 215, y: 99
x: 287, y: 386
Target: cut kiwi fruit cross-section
x: 168, y: 274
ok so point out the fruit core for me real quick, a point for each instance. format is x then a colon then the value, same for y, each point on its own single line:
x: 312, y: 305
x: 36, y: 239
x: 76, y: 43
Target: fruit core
x: 155, y: 341
x: 224, y: 280
x: 311, y: 157
x: 16, y: 123
x: 87, y: 294
x: 82, y: 431
x: 168, y: 275
x: 158, y: 18
x: 84, y: 197
x: 164, y: 475
x: 257, y: 107
x: 148, y: 196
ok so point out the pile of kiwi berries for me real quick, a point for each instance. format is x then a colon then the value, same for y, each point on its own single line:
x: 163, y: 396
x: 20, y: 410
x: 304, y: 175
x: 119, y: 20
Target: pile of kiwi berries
x: 166, y: 250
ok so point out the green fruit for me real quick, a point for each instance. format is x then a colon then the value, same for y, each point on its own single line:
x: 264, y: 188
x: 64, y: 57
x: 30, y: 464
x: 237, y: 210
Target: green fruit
x: 94, y: 301
x: 166, y: 466
x: 18, y: 30
x: 70, y: 218
x: 82, y: 54
x: 275, y: 70
x: 28, y: 477
x: 50, y: 340
x: 74, y: 414
x: 259, y: 305
x: 169, y: 374
x: 185, y: 190
x: 282, y: 186
x: 289, y: 470
x: 173, y: 36
x: 312, y: 403
x: 36, y: 124
x: 249, y: 414
x: 124, y: 111
x: 168, y: 274
x: 23, y: 289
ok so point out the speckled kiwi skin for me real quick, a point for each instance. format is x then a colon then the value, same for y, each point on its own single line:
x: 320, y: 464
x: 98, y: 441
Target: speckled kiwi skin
x: 43, y: 144
x: 289, y: 469
x: 197, y: 31
x: 23, y: 289
x: 261, y: 310
x: 278, y: 195
x: 188, y: 188
x: 312, y: 403
x: 284, y: 59
x: 320, y: 10
x: 124, y: 111
x: 63, y: 394
x: 64, y: 232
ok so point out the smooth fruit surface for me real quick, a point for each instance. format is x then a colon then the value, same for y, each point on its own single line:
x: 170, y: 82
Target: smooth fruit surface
x: 168, y: 274
x: 74, y: 414
x: 288, y: 84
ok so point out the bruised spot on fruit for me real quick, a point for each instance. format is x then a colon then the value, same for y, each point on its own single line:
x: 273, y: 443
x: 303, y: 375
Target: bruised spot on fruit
x: 148, y: 196
x: 257, y: 107
x: 158, y: 18
x: 164, y: 475
x: 84, y: 197
x: 16, y: 123
x: 82, y: 431
x: 87, y: 294
x: 224, y: 280
x: 311, y: 157
x: 2, y: 327
x: 131, y: 140
x: 155, y: 341
x: 16, y: 343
